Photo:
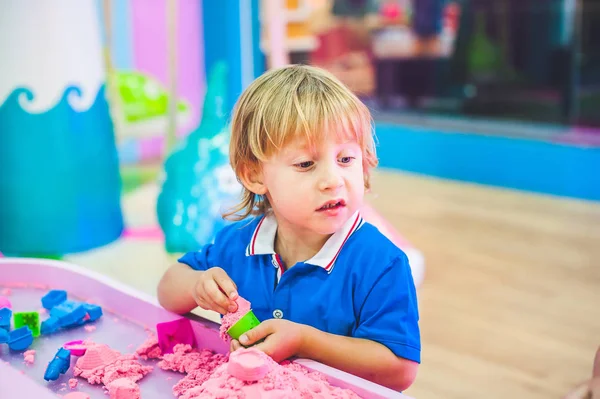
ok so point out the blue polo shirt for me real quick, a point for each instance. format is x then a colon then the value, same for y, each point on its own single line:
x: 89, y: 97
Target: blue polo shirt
x: 358, y: 285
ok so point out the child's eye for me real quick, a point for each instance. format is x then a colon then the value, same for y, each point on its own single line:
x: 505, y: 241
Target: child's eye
x: 346, y: 159
x: 304, y: 165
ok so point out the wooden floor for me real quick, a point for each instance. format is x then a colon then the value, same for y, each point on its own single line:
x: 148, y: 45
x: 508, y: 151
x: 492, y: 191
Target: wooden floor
x: 510, y: 304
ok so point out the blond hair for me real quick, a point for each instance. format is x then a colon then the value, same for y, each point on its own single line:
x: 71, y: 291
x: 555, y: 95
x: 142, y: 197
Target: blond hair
x: 296, y: 101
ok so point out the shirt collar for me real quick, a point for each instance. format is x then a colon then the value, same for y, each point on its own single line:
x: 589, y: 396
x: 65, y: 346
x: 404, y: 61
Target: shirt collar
x: 263, y: 240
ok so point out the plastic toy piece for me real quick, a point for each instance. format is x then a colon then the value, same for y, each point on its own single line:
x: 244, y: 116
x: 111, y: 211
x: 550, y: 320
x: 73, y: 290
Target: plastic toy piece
x: 246, y: 323
x: 73, y: 318
x: 50, y: 325
x: 175, y: 332
x: 64, y: 307
x: 53, y: 298
x: 94, y: 311
x: 20, y: 339
x: 5, y: 302
x: 29, y: 319
x: 3, y: 336
x: 5, y: 316
x: 59, y: 365
x: 77, y: 348
x: 69, y: 313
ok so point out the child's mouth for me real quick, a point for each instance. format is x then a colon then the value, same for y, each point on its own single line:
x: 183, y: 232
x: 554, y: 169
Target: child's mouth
x: 332, y: 205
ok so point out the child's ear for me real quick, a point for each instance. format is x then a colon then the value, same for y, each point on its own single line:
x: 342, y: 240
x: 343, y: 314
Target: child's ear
x: 252, y: 178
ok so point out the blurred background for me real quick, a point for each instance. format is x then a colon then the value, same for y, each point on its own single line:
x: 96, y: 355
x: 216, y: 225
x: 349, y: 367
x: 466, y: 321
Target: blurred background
x: 114, y: 140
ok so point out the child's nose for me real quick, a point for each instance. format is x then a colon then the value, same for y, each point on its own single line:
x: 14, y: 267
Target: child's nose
x: 330, y: 178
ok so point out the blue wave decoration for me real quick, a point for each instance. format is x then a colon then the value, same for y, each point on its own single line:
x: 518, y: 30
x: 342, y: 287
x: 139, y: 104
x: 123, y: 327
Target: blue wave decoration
x: 60, y: 186
x: 199, y: 184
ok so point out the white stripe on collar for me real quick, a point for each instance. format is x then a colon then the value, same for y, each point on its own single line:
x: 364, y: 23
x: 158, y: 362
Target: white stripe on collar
x: 263, y: 240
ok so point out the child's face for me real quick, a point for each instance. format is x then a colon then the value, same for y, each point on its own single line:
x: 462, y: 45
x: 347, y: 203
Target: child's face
x: 315, y: 191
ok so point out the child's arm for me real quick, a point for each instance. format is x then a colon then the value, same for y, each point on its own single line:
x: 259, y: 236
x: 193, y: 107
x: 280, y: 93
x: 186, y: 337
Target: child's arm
x: 182, y: 288
x: 362, y: 357
x: 175, y: 288
x: 197, y: 280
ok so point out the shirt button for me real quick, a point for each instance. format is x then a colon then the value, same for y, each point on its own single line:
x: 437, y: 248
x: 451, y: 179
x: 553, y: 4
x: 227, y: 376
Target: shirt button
x: 278, y: 314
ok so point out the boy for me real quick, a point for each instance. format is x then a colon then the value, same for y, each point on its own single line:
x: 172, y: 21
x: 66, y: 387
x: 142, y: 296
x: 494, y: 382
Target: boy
x: 326, y: 285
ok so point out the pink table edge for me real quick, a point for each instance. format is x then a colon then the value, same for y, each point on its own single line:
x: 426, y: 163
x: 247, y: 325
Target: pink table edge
x: 131, y: 303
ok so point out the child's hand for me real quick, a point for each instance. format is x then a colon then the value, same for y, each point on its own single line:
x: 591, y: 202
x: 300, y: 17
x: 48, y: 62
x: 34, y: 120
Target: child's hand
x: 282, y: 338
x: 214, y: 290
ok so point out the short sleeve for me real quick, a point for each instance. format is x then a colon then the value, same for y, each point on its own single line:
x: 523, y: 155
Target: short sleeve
x: 201, y: 260
x: 230, y: 242
x: 389, y: 314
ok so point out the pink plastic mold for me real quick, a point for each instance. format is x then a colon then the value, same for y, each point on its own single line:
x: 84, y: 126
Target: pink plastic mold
x: 171, y: 333
x: 77, y: 348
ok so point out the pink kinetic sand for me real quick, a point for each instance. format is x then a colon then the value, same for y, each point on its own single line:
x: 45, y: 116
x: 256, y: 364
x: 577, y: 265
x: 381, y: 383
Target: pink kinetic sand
x: 249, y: 365
x: 230, y: 319
x: 149, y: 349
x: 29, y: 356
x: 101, y: 364
x: 123, y: 388
x: 197, y: 364
x: 285, y: 380
x: 72, y: 383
